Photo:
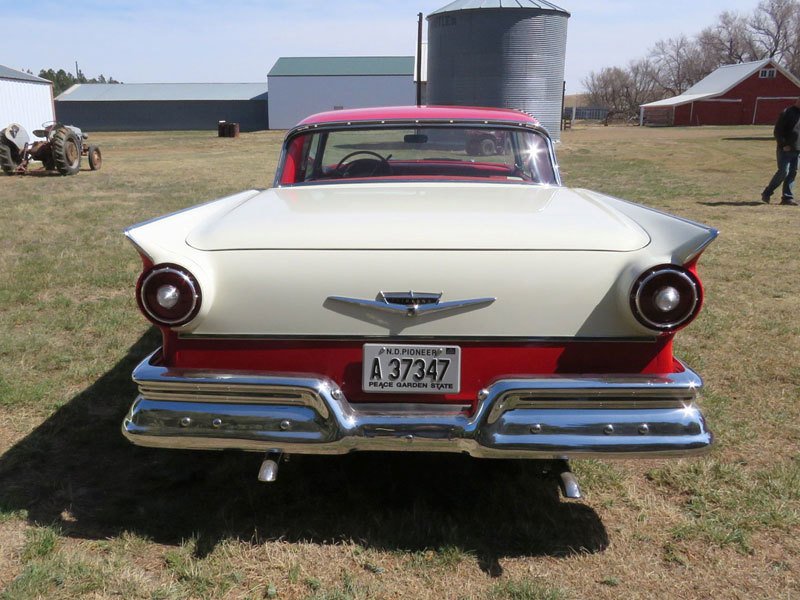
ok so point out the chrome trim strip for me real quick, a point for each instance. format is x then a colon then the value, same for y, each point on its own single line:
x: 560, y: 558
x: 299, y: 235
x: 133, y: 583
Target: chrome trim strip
x: 198, y: 385
x: 712, y: 235
x: 411, y: 338
x: 139, y: 249
x: 644, y: 415
x: 412, y: 310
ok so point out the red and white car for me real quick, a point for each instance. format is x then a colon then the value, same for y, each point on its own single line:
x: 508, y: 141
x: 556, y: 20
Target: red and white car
x: 394, y: 291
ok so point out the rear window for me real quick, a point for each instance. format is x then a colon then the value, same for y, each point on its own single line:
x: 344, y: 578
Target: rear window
x: 430, y: 152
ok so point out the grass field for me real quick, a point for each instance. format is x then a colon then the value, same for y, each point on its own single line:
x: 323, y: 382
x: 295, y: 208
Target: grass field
x: 83, y: 514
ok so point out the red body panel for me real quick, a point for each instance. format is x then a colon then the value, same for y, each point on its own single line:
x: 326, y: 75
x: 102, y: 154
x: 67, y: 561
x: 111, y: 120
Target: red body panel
x: 405, y: 113
x: 482, y: 362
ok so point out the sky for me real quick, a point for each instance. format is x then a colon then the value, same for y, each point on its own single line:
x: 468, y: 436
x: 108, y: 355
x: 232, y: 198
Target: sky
x: 152, y: 41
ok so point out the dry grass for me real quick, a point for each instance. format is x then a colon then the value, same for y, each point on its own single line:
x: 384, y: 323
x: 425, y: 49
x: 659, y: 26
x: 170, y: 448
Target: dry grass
x: 84, y: 514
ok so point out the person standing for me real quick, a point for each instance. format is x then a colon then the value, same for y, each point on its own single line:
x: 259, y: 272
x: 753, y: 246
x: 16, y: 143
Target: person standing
x: 787, y: 135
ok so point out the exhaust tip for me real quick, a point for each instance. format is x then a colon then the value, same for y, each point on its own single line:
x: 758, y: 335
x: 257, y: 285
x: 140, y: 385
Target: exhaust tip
x: 568, y: 482
x: 268, y: 472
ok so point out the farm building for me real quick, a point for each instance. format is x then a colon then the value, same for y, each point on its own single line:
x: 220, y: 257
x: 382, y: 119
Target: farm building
x: 752, y: 93
x: 300, y: 86
x: 163, y: 106
x: 502, y: 54
x: 24, y: 99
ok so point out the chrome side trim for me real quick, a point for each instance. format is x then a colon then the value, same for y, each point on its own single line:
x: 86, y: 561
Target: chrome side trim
x: 197, y: 385
x: 536, y: 417
x: 412, y: 338
x: 712, y: 235
x: 135, y: 244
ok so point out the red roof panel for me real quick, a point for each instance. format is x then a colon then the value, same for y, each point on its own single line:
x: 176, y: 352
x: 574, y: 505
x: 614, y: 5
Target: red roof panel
x: 430, y: 113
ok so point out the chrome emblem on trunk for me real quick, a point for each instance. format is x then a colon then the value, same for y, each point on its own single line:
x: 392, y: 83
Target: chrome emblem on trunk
x: 411, y: 303
x: 410, y: 298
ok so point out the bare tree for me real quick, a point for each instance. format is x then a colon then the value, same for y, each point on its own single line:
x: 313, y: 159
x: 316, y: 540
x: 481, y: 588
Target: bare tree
x: 727, y: 42
x: 607, y: 88
x: 623, y: 90
x: 680, y: 64
x: 643, y: 84
x: 771, y: 27
x: 791, y: 53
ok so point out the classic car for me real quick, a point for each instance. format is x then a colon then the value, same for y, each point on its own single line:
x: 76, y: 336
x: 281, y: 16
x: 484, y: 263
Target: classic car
x: 392, y: 292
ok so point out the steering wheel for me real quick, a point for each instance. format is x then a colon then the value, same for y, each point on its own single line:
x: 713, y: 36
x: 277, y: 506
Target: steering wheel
x: 364, y: 167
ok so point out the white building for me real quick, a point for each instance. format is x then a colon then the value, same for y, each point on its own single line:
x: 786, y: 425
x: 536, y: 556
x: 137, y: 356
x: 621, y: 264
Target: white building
x: 300, y: 86
x: 25, y: 99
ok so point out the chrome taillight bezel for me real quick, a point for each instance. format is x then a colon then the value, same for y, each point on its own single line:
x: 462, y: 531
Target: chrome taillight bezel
x: 176, y: 275
x: 653, y: 280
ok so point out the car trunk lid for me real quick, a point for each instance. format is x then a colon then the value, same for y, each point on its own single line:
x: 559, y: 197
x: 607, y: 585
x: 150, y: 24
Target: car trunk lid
x: 420, y: 216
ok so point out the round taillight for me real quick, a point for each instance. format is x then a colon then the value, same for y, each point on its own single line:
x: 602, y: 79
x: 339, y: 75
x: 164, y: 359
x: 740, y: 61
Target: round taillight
x: 168, y: 295
x: 666, y: 297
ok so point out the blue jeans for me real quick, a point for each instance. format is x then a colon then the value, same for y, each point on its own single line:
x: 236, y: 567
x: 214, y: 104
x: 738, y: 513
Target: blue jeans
x: 787, y: 171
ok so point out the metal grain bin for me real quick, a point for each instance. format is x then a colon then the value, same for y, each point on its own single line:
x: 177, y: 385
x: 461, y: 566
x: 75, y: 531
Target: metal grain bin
x: 503, y: 53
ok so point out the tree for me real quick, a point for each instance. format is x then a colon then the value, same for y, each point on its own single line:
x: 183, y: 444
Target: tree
x: 680, y: 63
x: 623, y: 90
x: 729, y: 41
x: 772, y: 27
x: 62, y: 80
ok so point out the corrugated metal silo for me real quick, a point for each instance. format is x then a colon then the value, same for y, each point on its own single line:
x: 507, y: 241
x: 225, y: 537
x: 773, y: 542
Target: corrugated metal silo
x: 503, y: 53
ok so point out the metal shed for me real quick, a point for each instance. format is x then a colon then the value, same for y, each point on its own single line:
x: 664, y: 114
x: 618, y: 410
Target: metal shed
x: 24, y: 99
x: 163, y: 106
x: 300, y: 86
x: 502, y: 53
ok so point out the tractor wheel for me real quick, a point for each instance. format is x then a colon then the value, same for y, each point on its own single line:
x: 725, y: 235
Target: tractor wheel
x: 488, y: 147
x: 66, y: 151
x: 95, y: 158
x: 48, y: 161
x: 8, y: 162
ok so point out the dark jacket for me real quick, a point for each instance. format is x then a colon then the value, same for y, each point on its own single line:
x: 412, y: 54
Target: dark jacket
x: 787, y: 128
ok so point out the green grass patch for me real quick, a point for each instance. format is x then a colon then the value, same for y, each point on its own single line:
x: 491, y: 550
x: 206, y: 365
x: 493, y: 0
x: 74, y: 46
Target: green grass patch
x: 524, y: 589
x: 727, y: 502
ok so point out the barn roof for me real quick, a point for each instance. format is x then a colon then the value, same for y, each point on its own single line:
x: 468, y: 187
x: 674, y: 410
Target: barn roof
x: 721, y: 81
x: 149, y: 92
x: 309, y: 66
x: 9, y: 73
x: 510, y: 4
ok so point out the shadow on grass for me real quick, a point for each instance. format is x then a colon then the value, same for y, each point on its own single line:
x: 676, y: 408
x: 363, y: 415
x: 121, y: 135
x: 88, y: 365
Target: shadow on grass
x: 749, y: 138
x: 78, y: 471
x: 41, y: 172
x: 732, y: 203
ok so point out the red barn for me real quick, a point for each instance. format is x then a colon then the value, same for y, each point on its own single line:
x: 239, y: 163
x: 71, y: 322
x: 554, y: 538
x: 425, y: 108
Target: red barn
x: 752, y: 93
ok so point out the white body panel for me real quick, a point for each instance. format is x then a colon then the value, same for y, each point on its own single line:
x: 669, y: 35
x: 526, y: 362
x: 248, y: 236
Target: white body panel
x: 25, y: 102
x: 559, y: 262
x: 414, y: 216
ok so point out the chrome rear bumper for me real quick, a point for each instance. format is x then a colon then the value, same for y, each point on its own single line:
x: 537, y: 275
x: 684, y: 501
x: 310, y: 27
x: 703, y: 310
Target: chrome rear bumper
x: 534, y: 417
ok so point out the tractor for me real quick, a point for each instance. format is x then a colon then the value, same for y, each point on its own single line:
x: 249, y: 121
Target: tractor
x: 60, y: 149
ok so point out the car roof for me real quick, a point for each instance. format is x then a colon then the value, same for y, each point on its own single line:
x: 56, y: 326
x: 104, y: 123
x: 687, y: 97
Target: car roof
x: 426, y: 113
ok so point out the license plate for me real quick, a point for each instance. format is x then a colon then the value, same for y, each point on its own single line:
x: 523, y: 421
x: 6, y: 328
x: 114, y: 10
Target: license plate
x: 402, y: 369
